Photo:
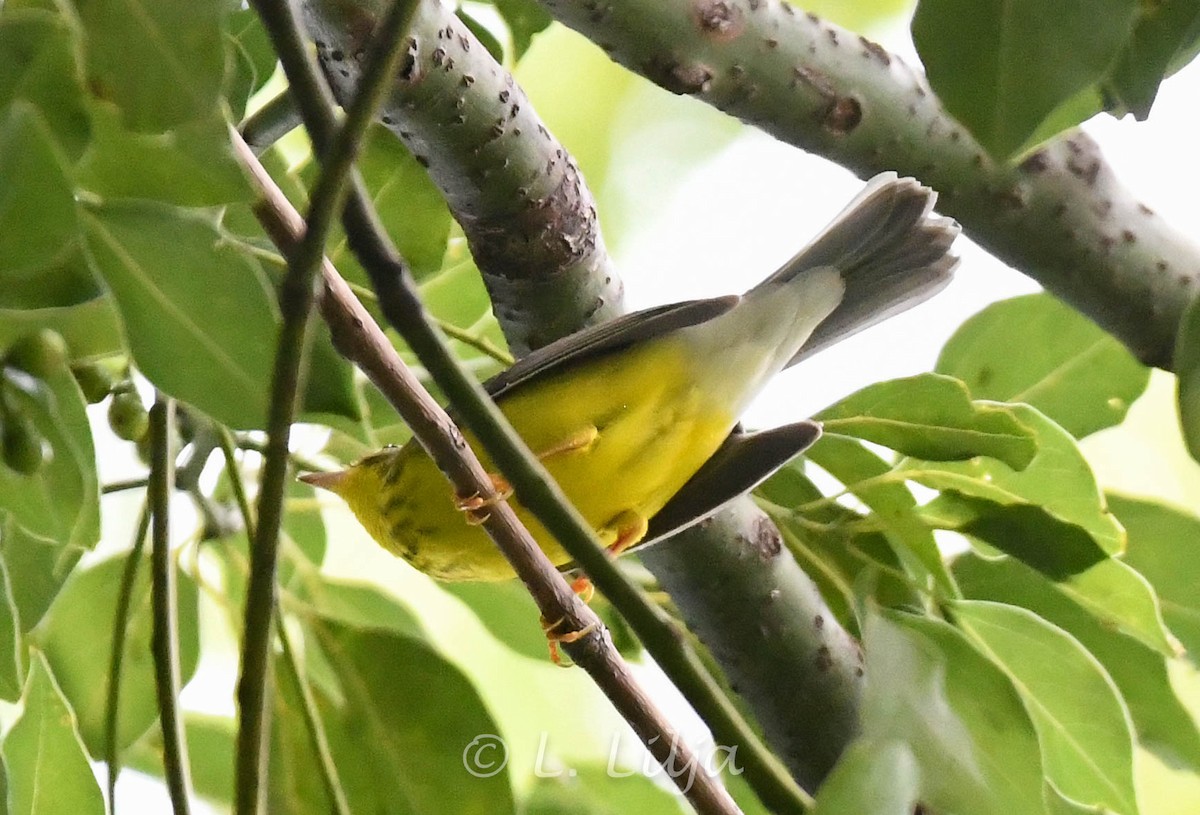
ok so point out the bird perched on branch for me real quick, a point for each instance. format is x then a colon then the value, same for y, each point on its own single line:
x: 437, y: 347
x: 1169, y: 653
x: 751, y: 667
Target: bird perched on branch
x: 637, y: 418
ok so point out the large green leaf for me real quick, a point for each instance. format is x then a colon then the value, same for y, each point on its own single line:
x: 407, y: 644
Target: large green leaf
x: 37, y: 209
x: 12, y: 649
x: 893, y: 505
x: 252, y: 57
x: 1002, y: 66
x: 47, y: 767
x: 1164, y: 546
x: 90, y: 329
x: 198, y: 312
x: 398, y: 732
x: 932, y: 417
x: 38, y: 65
x: 1163, y: 723
x: 59, y: 504
x: 37, y: 570
x: 974, y: 743
x: 1164, y: 38
x: 872, y: 779
x: 1054, y: 502
x: 1068, y: 368
x: 1082, y: 724
x: 192, y: 165
x: 77, y: 639
x: 163, y: 64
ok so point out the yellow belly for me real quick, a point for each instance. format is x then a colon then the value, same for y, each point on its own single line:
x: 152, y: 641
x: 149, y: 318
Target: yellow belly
x: 655, y: 428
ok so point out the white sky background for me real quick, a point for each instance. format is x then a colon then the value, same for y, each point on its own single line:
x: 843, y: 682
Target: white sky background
x: 732, y: 220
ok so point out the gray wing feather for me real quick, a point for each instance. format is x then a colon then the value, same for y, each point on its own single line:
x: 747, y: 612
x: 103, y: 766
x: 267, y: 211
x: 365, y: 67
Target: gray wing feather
x: 605, y: 338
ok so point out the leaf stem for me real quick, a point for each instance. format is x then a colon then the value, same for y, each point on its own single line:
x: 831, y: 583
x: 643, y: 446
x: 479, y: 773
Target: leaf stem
x: 116, y: 657
x: 337, y: 148
x: 164, y: 604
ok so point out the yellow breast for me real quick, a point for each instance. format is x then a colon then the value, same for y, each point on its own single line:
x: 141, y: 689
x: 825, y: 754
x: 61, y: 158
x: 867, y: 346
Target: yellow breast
x: 654, y: 429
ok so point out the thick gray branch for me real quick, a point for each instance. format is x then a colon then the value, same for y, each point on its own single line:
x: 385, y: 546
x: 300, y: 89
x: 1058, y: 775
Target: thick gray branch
x: 528, y: 216
x: 1060, y: 216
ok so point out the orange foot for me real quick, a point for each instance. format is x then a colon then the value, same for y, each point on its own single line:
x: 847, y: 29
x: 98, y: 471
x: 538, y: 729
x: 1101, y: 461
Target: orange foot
x: 478, y: 508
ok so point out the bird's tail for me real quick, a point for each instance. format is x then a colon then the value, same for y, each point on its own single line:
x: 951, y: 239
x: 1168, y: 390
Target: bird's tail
x: 889, y: 250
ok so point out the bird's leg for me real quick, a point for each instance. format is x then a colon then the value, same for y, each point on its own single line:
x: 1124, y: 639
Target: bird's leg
x: 553, y: 638
x: 476, y: 506
x: 629, y: 527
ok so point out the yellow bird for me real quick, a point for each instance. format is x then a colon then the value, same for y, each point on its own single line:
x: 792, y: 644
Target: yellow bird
x: 637, y: 418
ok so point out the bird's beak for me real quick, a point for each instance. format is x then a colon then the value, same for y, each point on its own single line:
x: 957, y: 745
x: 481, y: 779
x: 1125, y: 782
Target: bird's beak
x: 326, y: 481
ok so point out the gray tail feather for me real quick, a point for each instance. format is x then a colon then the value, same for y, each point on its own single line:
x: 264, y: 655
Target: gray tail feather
x: 891, y: 252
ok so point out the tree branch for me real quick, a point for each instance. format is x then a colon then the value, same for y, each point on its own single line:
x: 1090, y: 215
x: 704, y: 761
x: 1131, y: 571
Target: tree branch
x: 336, y: 154
x: 165, y: 605
x: 1060, y: 216
x: 528, y: 216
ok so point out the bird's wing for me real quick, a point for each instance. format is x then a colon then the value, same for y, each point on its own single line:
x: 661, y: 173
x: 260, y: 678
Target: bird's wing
x: 606, y: 338
x: 743, y: 462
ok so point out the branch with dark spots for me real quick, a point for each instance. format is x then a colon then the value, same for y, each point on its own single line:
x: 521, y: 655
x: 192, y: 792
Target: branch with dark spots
x: 1060, y: 216
x: 768, y: 628
x: 528, y: 216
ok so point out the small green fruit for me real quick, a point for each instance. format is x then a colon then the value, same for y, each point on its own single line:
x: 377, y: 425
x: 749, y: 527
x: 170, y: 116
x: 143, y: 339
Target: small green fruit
x: 127, y: 415
x: 94, y: 380
x: 41, y: 353
x: 24, y: 451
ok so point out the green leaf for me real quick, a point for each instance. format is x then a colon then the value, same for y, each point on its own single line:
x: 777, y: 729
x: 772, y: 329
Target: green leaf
x: 932, y: 417
x: 871, y: 779
x: 12, y: 649
x: 1057, y: 487
x: 182, y: 288
x: 60, y: 504
x: 37, y: 204
x: 1164, y: 38
x: 1187, y: 368
x: 47, y: 768
x: 162, y: 64
x: 77, y: 639
x: 974, y: 743
x: 1164, y: 546
x: 524, y: 18
x: 1017, y: 60
x: 486, y: 38
x: 398, y: 732
x: 1082, y: 724
x: 1163, y: 723
x: 38, y: 65
x: 91, y: 329
x: 598, y: 790
x: 1068, y: 368
x: 893, y: 506
x: 252, y: 58
x: 192, y: 165
x: 358, y: 605
x: 37, y: 571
